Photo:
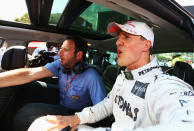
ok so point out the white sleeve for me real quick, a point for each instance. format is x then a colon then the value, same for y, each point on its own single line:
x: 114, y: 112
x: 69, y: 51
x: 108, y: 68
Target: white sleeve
x: 165, y: 127
x: 100, y: 110
x: 97, y: 112
x: 161, y: 127
x: 170, y: 102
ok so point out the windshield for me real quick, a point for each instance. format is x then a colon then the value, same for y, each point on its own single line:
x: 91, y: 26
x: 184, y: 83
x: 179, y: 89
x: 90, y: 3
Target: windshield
x: 169, y: 59
x: 187, y: 4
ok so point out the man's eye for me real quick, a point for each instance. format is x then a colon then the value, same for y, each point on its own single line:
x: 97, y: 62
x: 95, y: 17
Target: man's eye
x: 127, y: 37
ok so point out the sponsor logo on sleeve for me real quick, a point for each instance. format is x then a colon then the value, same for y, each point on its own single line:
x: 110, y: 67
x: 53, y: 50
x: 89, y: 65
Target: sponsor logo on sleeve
x: 187, y: 121
x: 139, y: 89
x: 183, y: 102
x: 182, y: 93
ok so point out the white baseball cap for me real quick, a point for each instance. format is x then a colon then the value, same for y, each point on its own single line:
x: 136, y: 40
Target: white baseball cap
x: 132, y: 27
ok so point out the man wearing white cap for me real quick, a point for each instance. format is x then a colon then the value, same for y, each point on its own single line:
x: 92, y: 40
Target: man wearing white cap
x: 149, y: 100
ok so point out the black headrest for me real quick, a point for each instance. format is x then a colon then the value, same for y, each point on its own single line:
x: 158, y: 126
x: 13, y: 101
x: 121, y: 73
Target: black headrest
x: 110, y: 74
x: 184, y: 71
x: 13, y: 58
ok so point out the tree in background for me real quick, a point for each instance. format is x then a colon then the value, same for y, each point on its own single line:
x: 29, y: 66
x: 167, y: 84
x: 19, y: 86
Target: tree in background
x: 24, y: 19
x: 54, y: 18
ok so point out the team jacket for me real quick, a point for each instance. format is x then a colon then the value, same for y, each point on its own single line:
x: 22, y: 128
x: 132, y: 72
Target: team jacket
x: 150, y: 100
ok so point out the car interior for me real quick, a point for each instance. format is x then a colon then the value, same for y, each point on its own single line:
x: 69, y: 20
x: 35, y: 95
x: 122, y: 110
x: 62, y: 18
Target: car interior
x: 51, y: 21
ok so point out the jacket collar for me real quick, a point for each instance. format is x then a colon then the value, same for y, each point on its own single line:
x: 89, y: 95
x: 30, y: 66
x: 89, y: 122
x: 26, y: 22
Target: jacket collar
x: 151, y: 69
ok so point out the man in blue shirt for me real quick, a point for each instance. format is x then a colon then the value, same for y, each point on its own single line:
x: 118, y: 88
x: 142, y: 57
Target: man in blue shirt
x: 79, y: 85
x: 78, y: 90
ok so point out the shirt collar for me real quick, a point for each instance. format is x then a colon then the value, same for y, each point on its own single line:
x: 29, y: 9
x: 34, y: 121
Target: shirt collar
x: 150, y: 69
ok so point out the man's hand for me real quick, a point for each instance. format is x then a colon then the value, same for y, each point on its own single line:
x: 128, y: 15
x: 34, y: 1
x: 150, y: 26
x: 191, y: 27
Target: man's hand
x: 60, y: 122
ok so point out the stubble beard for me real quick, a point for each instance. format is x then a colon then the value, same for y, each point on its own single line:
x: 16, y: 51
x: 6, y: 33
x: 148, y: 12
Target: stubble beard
x: 69, y: 63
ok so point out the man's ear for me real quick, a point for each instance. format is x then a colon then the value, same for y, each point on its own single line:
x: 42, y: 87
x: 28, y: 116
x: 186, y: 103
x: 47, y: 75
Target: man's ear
x: 79, y: 55
x: 147, y: 46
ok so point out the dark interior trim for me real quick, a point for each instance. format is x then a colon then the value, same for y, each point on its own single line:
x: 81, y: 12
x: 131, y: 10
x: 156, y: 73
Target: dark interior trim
x: 173, y: 13
x: 53, y: 29
x: 39, y: 11
x: 33, y: 7
x: 71, y: 12
x: 45, y: 11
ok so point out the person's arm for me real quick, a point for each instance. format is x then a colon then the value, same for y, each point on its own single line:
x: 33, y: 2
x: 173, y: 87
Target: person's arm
x: 53, y: 123
x: 22, y: 76
x: 102, y: 109
x: 162, y: 127
x: 97, y: 112
x: 87, y: 115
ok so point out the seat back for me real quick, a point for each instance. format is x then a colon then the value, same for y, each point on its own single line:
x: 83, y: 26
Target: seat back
x: 14, y: 57
x: 184, y: 71
x: 109, y: 75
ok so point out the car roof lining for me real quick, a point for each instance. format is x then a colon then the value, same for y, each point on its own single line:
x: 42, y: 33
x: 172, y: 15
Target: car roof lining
x: 73, y: 9
x: 168, y: 36
x: 172, y: 34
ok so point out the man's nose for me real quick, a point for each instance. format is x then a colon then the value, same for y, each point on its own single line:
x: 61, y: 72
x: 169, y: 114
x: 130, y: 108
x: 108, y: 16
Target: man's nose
x: 60, y: 52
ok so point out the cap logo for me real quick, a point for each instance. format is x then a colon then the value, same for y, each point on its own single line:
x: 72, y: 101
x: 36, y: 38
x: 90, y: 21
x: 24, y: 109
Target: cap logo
x: 129, y: 23
x: 113, y: 29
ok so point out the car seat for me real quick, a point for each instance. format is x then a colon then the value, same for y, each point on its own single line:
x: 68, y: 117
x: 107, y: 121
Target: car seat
x: 183, y: 71
x: 12, y: 99
x: 14, y: 57
x: 110, y: 75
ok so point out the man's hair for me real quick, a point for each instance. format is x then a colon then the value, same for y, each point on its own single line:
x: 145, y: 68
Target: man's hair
x: 80, y: 45
x: 142, y: 38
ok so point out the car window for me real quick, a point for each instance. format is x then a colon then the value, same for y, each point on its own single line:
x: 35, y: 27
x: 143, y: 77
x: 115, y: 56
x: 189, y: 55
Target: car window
x: 113, y: 57
x: 57, y: 10
x: 95, y: 19
x: 169, y: 59
x: 3, y: 47
x: 187, y: 4
x: 10, y: 12
x: 34, y: 45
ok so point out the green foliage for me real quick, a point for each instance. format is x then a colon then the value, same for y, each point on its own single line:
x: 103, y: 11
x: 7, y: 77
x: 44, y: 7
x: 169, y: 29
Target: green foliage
x: 24, y: 19
x: 54, y: 18
x: 163, y: 58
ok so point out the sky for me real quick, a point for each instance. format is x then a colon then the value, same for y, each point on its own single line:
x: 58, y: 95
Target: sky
x: 185, y: 2
x: 9, y: 9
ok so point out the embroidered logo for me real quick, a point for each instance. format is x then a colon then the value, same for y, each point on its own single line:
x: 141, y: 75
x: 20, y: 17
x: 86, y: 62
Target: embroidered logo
x: 183, y: 93
x: 75, y: 97
x: 147, y: 70
x: 139, y: 89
